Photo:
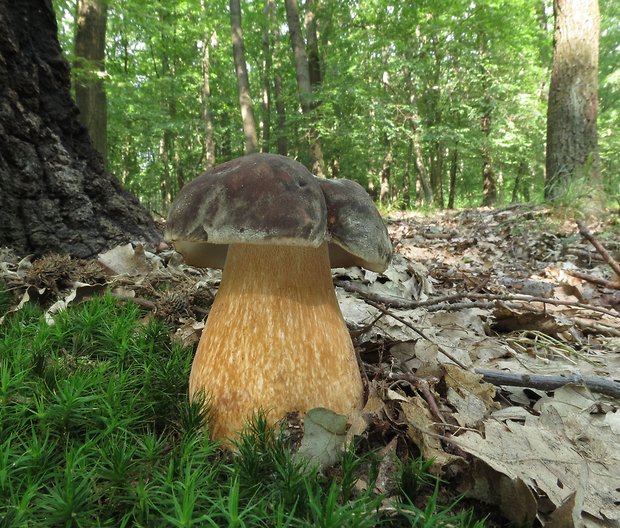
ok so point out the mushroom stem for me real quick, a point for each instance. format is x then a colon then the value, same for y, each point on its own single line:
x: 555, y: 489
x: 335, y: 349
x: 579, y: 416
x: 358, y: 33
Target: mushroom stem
x: 275, y: 339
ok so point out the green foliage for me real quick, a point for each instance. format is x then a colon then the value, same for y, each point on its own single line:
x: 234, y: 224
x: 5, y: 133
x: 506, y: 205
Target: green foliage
x: 96, y: 430
x: 392, y: 73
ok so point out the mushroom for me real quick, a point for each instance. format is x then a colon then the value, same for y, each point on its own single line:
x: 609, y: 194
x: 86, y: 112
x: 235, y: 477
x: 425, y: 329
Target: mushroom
x: 275, y: 339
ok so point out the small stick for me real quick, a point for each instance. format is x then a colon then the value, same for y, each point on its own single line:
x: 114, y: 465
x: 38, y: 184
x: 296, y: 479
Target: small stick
x: 550, y: 382
x: 585, y: 232
x: 595, y: 280
x: 417, y: 331
x: 401, y: 303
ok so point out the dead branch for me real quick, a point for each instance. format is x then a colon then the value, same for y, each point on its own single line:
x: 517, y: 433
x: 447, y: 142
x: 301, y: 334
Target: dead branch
x: 585, y: 232
x: 417, y: 331
x: 446, y: 300
x: 550, y: 382
x: 595, y: 280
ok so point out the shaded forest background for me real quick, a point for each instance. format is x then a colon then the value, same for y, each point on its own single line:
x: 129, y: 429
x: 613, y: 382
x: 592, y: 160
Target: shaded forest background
x: 440, y: 89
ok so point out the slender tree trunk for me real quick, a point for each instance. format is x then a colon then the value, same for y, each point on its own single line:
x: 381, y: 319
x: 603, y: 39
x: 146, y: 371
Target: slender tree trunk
x: 269, y: 15
x: 489, y: 189
x: 454, y: 163
x: 437, y: 173
x: 422, y: 176
x: 304, y: 85
x: 312, y: 40
x: 245, y: 99
x: 572, y: 137
x: 207, y: 114
x: 90, y: 96
x: 407, y: 177
x: 386, y: 175
x: 278, y: 94
x: 56, y: 195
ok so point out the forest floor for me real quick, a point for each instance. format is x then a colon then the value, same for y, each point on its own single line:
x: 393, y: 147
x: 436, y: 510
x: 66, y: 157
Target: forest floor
x: 491, y: 346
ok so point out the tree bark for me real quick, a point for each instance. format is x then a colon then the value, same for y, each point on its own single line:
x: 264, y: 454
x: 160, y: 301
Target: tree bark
x: 314, y: 58
x: 304, y: 85
x: 55, y: 193
x: 269, y: 15
x: 454, y: 160
x: 245, y: 98
x: 278, y: 94
x: 572, y: 137
x: 489, y: 189
x: 89, y: 70
x: 207, y: 114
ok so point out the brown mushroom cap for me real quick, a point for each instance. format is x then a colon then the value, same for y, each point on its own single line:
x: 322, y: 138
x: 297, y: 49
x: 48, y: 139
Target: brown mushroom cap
x: 271, y: 199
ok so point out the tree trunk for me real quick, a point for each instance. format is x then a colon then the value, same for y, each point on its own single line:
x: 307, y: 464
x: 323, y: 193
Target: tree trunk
x: 423, y: 180
x: 278, y: 94
x: 489, y: 189
x: 407, y: 177
x: 207, y: 114
x: 245, y: 99
x: 56, y: 194
x: 572, y: 137
x: 269, y: 15
x: 437, y: 173
x: 454, y: 165
x: 385, y: 177
x: 314, y: 58
x: 89, y: 70
x: 304, y: 85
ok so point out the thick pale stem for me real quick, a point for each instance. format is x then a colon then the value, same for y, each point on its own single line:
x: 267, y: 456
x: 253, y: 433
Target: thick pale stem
x: 275, y: 339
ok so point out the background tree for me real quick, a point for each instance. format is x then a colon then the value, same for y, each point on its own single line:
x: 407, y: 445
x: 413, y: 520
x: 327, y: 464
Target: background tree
x: 56, y: 194
x: 245, y: 97
x: 572, y: 137
x: 304, y: 84
x: 437, y: 94
x: 89, y: 70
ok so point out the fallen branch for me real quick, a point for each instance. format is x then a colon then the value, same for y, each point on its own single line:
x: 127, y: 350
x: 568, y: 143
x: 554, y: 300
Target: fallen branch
x: 585, y: 232
x: 446, y: 300
x: 550, y: 382
x: 595, y: 280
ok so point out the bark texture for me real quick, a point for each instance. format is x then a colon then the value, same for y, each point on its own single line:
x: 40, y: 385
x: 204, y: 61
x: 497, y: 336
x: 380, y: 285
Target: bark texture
x: 302, y: 70
x: 55, y: 193
x: 90, y: 93
x: 572, y: 137
x: 245, y: 98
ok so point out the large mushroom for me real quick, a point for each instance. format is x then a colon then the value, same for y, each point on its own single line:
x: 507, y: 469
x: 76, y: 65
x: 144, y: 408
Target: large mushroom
x: 275, y: 339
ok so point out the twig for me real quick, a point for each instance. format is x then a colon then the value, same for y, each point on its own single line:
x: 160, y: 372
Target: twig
x: 415, y: 381
x: 595, y: 280
x: 585, y: 232
x: 416, y: 330
x: 445, y: 300
x: 550, y: 382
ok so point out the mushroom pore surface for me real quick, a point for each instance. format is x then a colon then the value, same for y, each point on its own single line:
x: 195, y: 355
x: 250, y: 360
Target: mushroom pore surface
x: 275, y: 339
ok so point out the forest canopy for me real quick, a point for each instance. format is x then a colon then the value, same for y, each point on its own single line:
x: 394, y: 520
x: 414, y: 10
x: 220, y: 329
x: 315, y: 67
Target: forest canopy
x: 443, y: 89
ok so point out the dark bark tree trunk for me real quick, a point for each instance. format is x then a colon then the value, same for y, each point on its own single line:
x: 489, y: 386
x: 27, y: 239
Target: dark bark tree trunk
x: 245, y: 98
x: 314, y: 58
x: 90, y: 96
x: 572, y: 137
x: 207, y: 114
x: 278, y: 94
x: 407, y: 177
x: 55, y: 193
x: 454, y: 165
x: 304, y: 85
x: 265, y: 102
x: 386, y: 175
x: 423, y: 181
x: 489, y: 189
x: 437, y: 173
